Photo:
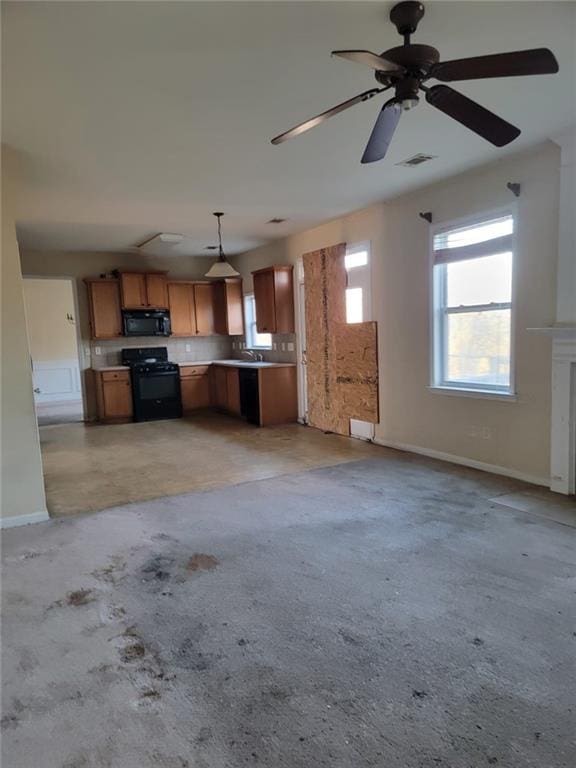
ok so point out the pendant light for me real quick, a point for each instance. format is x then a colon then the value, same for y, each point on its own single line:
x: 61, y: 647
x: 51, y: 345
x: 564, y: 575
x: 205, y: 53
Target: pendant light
x: 221, y: 268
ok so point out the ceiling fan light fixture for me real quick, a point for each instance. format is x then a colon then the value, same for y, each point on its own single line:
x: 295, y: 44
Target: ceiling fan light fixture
x: 222, y: 267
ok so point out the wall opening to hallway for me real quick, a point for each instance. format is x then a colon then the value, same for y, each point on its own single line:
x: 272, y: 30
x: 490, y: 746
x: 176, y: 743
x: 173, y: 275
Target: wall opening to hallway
x: 51, y: 319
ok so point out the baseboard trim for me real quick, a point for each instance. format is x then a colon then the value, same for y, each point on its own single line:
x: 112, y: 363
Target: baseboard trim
x: 494, y: 469
x: 15, y: 520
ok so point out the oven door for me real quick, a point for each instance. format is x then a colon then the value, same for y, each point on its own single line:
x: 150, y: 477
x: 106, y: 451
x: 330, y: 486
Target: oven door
x: 157, y: 395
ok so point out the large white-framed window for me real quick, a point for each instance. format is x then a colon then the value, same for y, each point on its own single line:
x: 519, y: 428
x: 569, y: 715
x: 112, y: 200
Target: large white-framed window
x: 254, y: 340
x: 358, y: 290
x: 472, y: 265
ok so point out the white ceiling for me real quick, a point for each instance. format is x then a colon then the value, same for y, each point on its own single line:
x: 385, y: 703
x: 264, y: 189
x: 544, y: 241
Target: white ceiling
x: 130, y: 119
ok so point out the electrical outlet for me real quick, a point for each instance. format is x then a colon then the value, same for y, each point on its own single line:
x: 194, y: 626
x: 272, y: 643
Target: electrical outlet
x: 188, y: 348
x: 97, y: 350
x: 290, y: 346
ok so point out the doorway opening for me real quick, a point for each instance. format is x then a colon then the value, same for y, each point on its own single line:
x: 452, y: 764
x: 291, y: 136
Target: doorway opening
x: 51, y: 319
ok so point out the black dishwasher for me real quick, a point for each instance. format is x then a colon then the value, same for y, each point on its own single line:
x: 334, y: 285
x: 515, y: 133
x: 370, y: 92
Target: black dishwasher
x: 249, y: 399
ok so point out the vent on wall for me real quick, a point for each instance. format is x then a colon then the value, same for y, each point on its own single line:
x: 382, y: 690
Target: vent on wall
x: 417, y: 160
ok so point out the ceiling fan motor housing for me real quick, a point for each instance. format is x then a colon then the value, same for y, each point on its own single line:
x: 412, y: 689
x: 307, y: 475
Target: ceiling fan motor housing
x: 405, y: 16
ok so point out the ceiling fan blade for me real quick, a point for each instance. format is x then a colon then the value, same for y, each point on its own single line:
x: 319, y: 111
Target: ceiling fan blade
x: 538, y: 61
x: 314, y: 121
x: 371, y: 60
x: 382, y: 132
x: 472, y: 115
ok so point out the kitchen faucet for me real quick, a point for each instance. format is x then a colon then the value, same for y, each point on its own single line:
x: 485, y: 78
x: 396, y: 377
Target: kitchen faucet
x: 257, y: 357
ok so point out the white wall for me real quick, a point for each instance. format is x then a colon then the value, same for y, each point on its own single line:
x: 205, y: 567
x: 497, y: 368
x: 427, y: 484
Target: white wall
x: 412, y: 415
x: 23, y: 498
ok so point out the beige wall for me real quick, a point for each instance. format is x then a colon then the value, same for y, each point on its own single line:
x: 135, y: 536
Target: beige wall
x: 411, y: 414
x: 51, y: 334
x: 22, y: 483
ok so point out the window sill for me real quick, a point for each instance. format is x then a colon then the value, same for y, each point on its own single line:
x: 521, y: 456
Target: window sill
x: 482, y: 394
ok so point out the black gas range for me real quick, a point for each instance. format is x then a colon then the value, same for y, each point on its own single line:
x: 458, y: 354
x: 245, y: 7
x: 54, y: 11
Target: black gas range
x: 155, y: 383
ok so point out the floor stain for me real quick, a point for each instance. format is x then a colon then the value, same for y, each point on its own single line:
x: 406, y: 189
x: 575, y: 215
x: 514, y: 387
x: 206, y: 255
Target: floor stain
x: 158, y: 568
x: 201, y: 562
x: 80, y: 597
x: 111, y: 573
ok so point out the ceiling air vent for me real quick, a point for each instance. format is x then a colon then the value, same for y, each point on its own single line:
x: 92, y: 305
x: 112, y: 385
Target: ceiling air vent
x: 417, y: 160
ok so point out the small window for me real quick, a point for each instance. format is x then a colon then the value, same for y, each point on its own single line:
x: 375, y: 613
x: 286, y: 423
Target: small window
x: 254, y: 340
x: 357, y: 266
x: 473, y: 306
x: 355, y: 259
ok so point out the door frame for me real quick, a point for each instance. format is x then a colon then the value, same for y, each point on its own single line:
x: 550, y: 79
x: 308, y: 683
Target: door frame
x: 300, y: 303
x: 79, y: 348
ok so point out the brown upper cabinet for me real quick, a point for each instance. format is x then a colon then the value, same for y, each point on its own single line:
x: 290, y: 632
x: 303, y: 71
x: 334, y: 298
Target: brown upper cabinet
x: 104, y: 303
x: 144, y: 290
x: 274, y: 299
x: 191, y: 308
x: 182, y: 316
x: 228, y: 307
x: 204, y: 305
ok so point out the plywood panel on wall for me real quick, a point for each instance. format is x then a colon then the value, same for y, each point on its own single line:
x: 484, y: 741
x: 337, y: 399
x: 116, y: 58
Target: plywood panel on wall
x: 356, y: 387
x: 325, y: 298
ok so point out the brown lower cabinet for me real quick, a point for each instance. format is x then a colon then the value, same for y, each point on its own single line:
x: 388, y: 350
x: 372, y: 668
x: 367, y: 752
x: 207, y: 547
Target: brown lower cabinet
x: 205, y: 386
x: 114, y: 395
x: 195, y: 387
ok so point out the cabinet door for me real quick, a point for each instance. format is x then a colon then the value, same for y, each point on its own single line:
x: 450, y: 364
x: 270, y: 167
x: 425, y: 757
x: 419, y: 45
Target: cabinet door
x: 133, y: 288
x: 195, y: 392
x: 220, y: 308
x: 105, y: 318
x: 264, y: 300
x: 156, y: 291
x: 233, y: 390
x: 220, y: 383
x: 181, y: 302
x: 204, y: 306
x: 117, y: 397
x: 235, y: 307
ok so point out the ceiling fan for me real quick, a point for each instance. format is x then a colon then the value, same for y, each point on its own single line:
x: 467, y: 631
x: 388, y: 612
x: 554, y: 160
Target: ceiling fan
x: 406, y: 69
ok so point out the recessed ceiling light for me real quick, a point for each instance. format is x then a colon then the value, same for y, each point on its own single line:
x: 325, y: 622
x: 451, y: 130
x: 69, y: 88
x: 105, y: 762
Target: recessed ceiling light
x: 417, y: 160
x: 276, y: 220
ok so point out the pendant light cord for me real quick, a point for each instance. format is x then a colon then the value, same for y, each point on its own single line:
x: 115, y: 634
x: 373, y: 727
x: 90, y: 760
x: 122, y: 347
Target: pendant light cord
x: 220, y: 249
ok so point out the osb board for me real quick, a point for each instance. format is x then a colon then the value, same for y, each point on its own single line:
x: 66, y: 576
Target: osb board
x: 356, y: 390
x: 325, y: 300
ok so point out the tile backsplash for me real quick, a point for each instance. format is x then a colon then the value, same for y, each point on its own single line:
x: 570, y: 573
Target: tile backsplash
x: 284, y: 351
x: 204, y: 348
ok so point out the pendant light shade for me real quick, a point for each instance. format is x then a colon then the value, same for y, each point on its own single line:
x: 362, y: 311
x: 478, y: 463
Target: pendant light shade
x: 221, y: 268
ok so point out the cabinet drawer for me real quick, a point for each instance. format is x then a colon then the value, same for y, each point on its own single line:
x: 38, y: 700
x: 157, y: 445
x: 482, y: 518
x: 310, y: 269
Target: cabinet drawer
x: 115, y: 376
x: 193, y: 370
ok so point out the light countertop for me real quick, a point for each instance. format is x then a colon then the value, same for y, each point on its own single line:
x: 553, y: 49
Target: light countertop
x: 228, y: 363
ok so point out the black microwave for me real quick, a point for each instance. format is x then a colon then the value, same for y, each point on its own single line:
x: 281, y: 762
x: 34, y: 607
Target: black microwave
x: 143, y: 322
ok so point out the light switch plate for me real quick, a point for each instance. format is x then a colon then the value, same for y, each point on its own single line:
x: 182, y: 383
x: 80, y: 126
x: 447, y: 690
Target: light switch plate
x: 97, y: 350
x: 290, y: 346
x: 188, y: 348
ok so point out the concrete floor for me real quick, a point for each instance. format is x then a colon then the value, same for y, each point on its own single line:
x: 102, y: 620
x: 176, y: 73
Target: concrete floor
x: 90, y: 467
x: 59, y: 413
x: 387, y: 612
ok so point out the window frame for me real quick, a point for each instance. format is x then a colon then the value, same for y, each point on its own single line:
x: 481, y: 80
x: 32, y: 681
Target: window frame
x: 439, y: 313
x: 250, y: 327
x: 361, y: 277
